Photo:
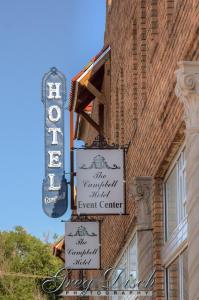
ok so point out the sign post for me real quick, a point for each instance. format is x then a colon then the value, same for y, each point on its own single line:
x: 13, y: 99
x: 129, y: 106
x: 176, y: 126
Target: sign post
x: 54, y: 198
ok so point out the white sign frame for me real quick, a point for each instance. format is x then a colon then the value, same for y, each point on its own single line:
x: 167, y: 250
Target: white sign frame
x: 82, y: 240
x: 107, y: 180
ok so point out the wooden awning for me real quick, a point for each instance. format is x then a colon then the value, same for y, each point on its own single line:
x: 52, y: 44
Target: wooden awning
x: 86, y: 85
x: 80, y: 126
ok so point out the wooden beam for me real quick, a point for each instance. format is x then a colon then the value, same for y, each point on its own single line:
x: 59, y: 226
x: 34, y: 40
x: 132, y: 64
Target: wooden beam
x: 90, y: 120
x: 101, y: 118
x: 95, y: 92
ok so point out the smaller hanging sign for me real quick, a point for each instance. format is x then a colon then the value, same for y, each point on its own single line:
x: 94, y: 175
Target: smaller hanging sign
x: 82, y: 245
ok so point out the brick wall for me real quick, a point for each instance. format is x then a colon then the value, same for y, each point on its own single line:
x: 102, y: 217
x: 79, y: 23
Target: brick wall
x: 147, y: 39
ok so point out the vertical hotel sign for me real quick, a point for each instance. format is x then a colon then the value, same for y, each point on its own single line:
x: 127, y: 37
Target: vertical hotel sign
x: 54, y: 199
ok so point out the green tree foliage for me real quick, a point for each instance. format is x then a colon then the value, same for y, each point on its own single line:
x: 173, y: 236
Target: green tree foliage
x: 24, y: 255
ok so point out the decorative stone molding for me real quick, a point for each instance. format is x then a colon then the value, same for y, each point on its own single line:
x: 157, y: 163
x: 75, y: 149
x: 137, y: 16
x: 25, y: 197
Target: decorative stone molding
x: 187, y: 89
x: 141, y: 190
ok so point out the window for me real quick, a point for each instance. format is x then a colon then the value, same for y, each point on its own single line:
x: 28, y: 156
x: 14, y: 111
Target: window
x: 176, y: 230
x: 177, y: 278
x: 175, y: 194
x: 133, y: 259
x: 125, y: 270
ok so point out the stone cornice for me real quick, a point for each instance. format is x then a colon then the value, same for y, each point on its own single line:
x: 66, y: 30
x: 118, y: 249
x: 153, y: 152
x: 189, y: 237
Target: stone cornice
x: 187, y: 89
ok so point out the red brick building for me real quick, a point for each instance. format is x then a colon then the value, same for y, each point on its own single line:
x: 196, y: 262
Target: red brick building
x: 136, y: 98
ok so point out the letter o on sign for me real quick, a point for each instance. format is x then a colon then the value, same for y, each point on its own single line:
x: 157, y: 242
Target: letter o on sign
x: 54, y: 117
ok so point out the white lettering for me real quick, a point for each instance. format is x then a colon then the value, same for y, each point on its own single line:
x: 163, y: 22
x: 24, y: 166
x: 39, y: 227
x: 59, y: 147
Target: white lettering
x: 55, y: 134
x: 54, y: 159
x: 54, y: 199
x: 54, y: 89
x: 50, y: 113
x: 52, y: 186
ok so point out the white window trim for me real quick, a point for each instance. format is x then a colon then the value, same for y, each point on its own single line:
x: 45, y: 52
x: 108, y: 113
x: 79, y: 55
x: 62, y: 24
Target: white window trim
x: 176, y: 158
x: 126, y: 245
x: 176, y: 244
x: 178, y: 239
x: 180, y: 263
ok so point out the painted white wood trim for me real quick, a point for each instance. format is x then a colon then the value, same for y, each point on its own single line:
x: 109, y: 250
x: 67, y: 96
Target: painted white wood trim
x: 176, y: 244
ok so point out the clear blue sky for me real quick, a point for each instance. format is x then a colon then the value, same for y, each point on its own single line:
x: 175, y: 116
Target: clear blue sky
x: 34, y: 36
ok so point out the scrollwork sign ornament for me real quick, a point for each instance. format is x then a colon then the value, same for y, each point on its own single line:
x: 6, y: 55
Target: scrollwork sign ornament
x: 187, y: 90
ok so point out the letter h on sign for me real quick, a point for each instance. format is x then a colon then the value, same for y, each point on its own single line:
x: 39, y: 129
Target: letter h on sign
x: 54, y: 199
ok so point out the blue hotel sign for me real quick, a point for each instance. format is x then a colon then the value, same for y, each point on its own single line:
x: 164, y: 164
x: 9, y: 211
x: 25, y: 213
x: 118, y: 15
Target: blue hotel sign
x: 54, y: 199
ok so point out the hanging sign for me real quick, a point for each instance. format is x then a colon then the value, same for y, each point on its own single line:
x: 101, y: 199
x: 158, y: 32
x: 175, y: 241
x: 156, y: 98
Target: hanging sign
x: 100, y: 182
x: 82, y: 245
x: 54, y: 198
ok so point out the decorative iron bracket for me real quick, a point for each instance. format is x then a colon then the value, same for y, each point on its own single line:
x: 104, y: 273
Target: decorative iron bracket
x: 84, y: 218
x: 100, y: 142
